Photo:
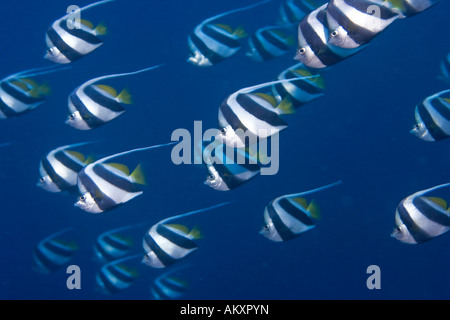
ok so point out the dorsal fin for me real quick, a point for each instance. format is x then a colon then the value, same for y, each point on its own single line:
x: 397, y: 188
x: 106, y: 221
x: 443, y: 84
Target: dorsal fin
x: 87, y: 24
x: 195, y: 233
x: 108, y: 89
x: 439, y: 201
x: 180, y: 227
x: 269, y: 98
x: 121, y: 167
x: 21, y: 85
x: 138, y: 175
x: 301, y: 201
x: 77, y: 155
x: 225, y: 27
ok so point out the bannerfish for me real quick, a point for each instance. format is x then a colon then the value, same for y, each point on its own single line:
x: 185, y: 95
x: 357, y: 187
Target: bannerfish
x: 92, y: 105
x: 52, y: 253
x: 114, y: 244
x: 211, y: 43
x: 165, y: 243
x: 314, y: 49
x: 286, y: 217
x: 432, y: 117
x: 269, y: 42
x: 20, y: 93
x: 168, y: 286
x: 301, y: 91
x: 248, y: 114
x: 420, y: 218
x: 67, y: 42
x: 104, y: 186
x: 60, y: 167
x: 353, y: 23
x: 116, y: 276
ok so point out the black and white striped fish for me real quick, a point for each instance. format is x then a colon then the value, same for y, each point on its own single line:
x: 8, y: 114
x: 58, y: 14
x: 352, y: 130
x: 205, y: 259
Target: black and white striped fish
x: 445, y: 69
x: 53, y: 252
x: 420, y: 218
x: 20, y: 94
x: 292, y: 11
x: 226, y: 171
x: 113, y: 244
x: 288, y: 216
x: 168, y: 286
x: 353, y: 23
x: 116, y: 276
x: 60, y: 167
x: 432, y: 117
x: 92, y: 105
x: 67, y: 42
x: 314, y: 49
x: 270, y: 42
x: 166, y: 244
x: 247, y: 116
x: 211, y: 43
x: 301, y: 91
x: 408, y: 8
x: 104, y: 186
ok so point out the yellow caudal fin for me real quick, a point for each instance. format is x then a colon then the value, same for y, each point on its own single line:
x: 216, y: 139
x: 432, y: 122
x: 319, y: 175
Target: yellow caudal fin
x: 101, y: 30
x: 439, y: 201
x: 121, y: 167
x: 125, y: 97
x: 240, y: 32
x: 314, y: 210
x: 286, y: 106
x: 269, y: 98
x: 107, y: 89
x: 196, y: 233
x: 77, y: 155
x: 138, y: 175
x: 90, y: 159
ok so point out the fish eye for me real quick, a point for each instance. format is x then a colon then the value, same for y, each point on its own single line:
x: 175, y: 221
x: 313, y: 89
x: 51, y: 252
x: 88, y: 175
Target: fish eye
x: 82, y: 198
x: 41, y: 179
x: 70, y: 117
x: 211, y: 177
x: 334, y: 33
x: 223, y: 130
x: 301, y: 50
x: 266, y: 227
x: 50, y: 50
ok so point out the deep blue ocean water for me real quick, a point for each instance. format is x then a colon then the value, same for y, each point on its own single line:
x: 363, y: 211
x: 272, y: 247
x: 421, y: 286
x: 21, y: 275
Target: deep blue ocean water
x: 358, y: 132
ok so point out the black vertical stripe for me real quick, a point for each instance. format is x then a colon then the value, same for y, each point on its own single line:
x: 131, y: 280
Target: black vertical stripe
x: 56, y: 179
x: 91, y: 120
x: 162, y: 256
x: 177, y: 239
x: 431, y: 126
x: 65, y: 160
x: 70, y: 53
x: 101, y: 199
x: 284, y: 232
x: 416, y: 232
x: 439, y: 216
x: 119, y: 182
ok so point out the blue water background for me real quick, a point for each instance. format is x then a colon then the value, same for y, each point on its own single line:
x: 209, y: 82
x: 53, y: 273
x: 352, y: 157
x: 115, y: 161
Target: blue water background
x: 358, y: 132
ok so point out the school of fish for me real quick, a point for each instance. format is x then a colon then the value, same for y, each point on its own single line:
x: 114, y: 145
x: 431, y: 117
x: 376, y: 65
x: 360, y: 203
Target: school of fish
x: 325, y: 34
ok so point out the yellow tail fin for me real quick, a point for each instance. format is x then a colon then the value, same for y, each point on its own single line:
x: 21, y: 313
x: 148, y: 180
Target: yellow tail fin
x: 101, y: 30
x: 240, y: 32
x: 138, y: 175
x: 125, y: 97
x: 196, y: 233
x: 314, y: 210
x: 286, y: 106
